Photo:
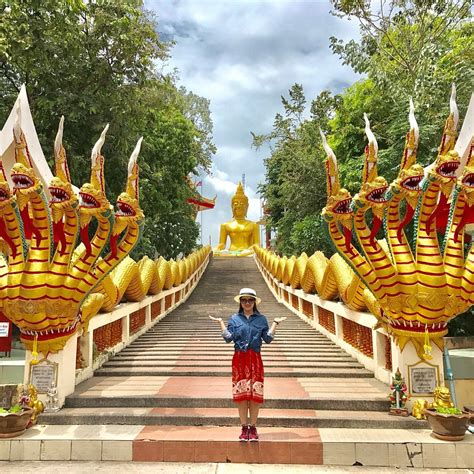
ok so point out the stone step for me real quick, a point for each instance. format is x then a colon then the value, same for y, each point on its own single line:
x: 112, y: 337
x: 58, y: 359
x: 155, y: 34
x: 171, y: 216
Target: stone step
x: 332, y: 404
x: 199, y: 416
x: 228, y: 348
x: 207, y: 356
x: 226, y: 363
x: 218, y: 371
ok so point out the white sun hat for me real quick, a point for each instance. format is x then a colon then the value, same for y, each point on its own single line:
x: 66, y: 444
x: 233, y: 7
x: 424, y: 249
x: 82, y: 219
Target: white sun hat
x: 247, y: 292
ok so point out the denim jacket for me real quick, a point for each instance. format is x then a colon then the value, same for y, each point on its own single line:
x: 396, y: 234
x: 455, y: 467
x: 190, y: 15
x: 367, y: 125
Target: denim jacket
x: 247, y: 333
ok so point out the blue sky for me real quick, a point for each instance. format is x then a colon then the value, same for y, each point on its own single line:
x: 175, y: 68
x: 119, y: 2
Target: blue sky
x: 243, y: 55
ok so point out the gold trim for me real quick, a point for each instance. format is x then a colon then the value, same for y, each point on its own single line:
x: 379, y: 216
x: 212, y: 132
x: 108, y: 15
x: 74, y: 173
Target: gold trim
x: 425, y: 363
x: 47, y: 362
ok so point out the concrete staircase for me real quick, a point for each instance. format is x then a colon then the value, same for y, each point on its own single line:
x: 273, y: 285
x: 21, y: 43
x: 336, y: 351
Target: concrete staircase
x: 178, y: 373
x: 172, y: 386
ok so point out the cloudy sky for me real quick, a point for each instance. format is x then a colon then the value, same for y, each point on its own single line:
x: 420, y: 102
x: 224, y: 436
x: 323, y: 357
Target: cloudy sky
x: 243, y: 55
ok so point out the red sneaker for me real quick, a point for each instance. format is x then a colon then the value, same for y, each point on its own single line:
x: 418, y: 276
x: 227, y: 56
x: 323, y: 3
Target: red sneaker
x: 244, y: 435
x: 253, y: 435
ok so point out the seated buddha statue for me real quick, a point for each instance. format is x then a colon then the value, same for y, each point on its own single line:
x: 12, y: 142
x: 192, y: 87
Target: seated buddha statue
x: 243, y: 234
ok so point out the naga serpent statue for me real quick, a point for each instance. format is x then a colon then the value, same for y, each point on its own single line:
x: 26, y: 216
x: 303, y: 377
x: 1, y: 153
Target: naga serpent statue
x: 48, y: 284
x: 413, y: 288
x: 418, y: 288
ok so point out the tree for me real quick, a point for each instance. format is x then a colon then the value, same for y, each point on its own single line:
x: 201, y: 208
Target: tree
x: 295, y: 176
x: 96, y: 63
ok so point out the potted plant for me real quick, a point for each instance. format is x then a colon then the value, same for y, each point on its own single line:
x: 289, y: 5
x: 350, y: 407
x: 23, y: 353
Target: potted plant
x: 14, y: 421
x: 448, y: 424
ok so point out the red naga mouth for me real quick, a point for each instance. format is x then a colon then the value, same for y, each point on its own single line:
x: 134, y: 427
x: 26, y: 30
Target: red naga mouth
x: 4, y: 195
x: 88, y: 201
x: 58, y: 195
x: 343, y: 207
x: 412, y: 184
x: 448, y: 170
x: 377, y: 195
x: 124, y: 210
x: 468, y: 180
x: 21, y: 181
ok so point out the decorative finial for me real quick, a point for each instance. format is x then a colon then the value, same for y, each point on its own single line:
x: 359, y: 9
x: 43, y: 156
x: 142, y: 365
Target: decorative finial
x: 17, y: 124
x: 332, y: 173
x: 453, y: 107
x: 98, y: 146
x: 369, y: 172
x: 58, y: 142
x: 132, y: 180
x: 413, y: 123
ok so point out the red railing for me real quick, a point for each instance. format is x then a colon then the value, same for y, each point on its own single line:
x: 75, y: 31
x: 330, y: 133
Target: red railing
x: 108, y: 336
x: 326, y: 319
x: 358, y: 336
x: 136, y: 320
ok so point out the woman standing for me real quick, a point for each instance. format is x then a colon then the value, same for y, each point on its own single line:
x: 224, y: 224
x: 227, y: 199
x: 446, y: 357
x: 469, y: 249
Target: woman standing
x: 247, y: 328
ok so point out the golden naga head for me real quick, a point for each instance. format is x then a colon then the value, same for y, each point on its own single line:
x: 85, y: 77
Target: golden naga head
x: 411, y: 173
x: 372, y: 192
x: 25, y: 181
x: 6, y: 196
x: 448, y: 161
x: 128, y: 206
x: 240, y: 203
x: 60, y: 187
x: 93, y: 200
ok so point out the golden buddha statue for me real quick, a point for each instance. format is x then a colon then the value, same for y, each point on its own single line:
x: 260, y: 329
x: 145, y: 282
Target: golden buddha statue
x: 243, y: 234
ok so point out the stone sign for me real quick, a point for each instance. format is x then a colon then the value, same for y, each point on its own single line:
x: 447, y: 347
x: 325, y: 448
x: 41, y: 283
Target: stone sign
x: 423, y: 379
x: 43, y: 374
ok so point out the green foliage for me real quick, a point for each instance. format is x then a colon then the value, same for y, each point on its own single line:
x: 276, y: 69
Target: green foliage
x: 448, y: 411
x: 309, y: 235
x: 96, y: 63
x: 14, y: 409
x: 295, y: 176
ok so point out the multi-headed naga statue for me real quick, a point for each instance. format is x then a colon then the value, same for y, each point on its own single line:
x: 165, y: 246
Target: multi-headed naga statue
x: 418, y: 288
x: 46, y: 279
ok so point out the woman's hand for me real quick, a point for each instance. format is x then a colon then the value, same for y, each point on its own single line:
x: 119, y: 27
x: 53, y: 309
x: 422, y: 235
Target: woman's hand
x: 279, y: 320
x: 215, y: 319
x: 219, y: 320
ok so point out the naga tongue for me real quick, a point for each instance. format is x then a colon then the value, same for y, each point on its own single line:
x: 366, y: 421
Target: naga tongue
x: 4, y: 235
x: 59, y: 236
x: 348, y: 239
x: 113, y: 245
x: 377, y: 223
x: 467, y: 218
x: 30, y: 228
x: 406, y: 220
x: 85, y: 240
x: 443, y: 201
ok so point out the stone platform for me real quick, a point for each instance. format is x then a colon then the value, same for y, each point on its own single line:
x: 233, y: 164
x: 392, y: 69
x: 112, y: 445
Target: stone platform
x: 311, y: 446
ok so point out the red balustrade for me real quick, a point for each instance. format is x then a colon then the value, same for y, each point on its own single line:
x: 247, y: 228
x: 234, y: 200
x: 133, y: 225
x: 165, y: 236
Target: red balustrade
x: 358, y: 336
x: 294, y: 302
x: 388, y: 353
x: 155, y: 309
x: 307, y: 309
x: 326, y: 319
x: 108, y: 336
x: 136, y: 320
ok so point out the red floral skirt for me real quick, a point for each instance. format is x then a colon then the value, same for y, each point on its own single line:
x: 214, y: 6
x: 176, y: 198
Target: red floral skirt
x: 247, y: 376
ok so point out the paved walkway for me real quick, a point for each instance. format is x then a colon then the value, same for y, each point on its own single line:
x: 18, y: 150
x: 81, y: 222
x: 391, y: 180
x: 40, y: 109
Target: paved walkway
x: 205, y: 468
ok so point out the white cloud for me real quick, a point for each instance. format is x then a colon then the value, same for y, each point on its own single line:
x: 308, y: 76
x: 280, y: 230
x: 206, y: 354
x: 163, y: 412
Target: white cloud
x: 244, y: 55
